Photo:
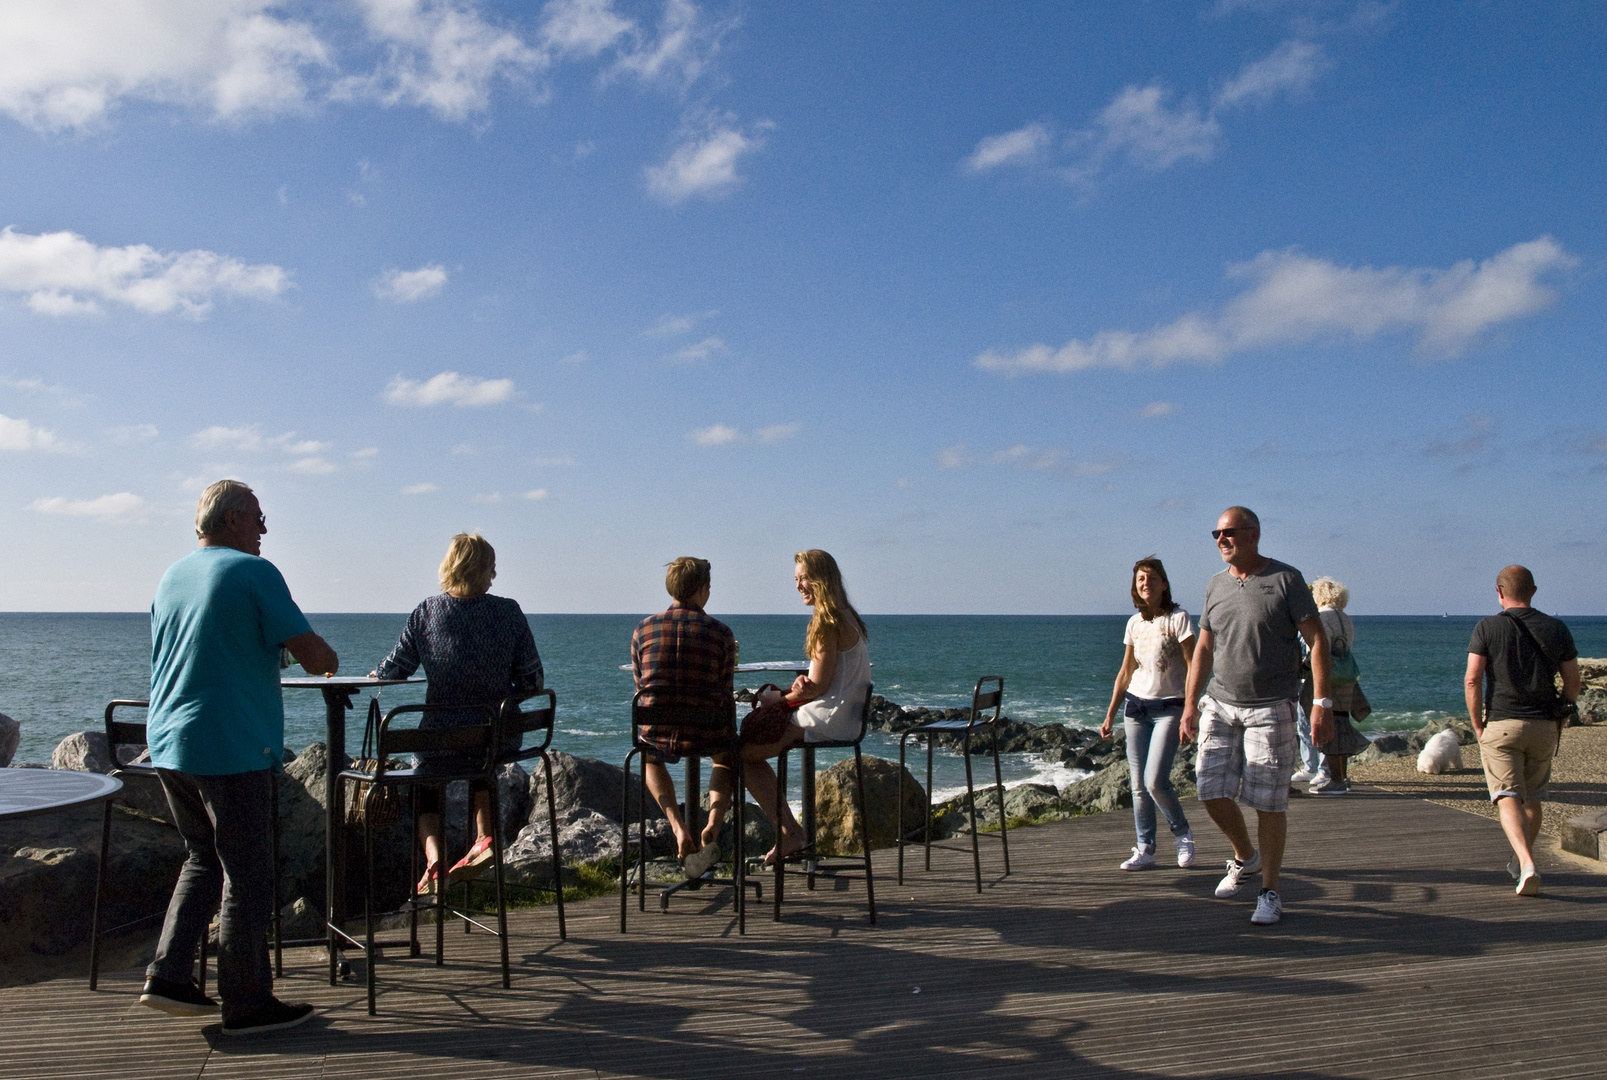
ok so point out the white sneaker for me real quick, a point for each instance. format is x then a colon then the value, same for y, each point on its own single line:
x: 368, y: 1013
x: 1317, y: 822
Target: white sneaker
x: 1237, y: 871
x: 1185, y: 849
x: 1141, y: 860
x: 1268, y: 908
x: 1304, y: 776
x: 1513, y: 871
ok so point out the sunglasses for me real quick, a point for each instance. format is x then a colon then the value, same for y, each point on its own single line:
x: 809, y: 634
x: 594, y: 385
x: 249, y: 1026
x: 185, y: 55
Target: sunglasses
x: 1217, y: 534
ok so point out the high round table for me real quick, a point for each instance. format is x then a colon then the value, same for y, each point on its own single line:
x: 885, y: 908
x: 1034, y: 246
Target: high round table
x: 25, y: 792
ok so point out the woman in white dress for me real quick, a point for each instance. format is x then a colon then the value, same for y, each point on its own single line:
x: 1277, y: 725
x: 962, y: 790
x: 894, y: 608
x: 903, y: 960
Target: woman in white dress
x: 1149, y: 691
x: 822, y: 705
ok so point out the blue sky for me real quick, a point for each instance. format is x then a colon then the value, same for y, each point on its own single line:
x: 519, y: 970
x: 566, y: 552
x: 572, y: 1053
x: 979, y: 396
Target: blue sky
x: 988, y: 300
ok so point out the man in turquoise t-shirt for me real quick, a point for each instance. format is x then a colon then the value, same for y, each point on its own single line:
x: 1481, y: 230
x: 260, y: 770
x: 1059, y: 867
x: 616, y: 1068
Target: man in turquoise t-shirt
x: 216, y: 727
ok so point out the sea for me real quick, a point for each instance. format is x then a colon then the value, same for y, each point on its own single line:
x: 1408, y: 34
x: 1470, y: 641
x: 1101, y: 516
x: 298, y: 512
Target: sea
x: 58, y: 671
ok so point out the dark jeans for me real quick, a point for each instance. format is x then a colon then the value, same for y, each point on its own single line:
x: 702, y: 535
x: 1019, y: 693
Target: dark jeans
x: 225, y: 822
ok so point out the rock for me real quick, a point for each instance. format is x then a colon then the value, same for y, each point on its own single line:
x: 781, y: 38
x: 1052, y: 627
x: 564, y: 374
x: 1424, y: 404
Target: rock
x: 513, y: 793
x: 10, y: 736
x: 1107, y: 789
x: 586, y: 783
x: 300, y: 919
x: 1592, y: 705
x: 47, y: 896
x: 1582, y: 835
x: 1385, y: 746
x: 1419, y: 738
x: 1029, y: 801
x: 301, y: 824
x: 584, y: 836
x: 83, y: 751
x: 758, y: 835
x: 837, y: 805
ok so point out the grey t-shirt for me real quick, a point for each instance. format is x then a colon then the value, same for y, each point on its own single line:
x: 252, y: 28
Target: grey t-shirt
x: 1255, y: 626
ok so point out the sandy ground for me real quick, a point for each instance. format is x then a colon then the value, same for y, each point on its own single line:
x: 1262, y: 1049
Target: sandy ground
x: 1578, y: 780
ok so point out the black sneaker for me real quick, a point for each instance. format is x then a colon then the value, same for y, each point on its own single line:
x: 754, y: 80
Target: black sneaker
x: 274, y: 1016
x: 176, y: 998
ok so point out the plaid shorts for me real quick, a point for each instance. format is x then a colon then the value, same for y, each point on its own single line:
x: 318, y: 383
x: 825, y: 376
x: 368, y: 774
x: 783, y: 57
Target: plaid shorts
x: 1246, y: 753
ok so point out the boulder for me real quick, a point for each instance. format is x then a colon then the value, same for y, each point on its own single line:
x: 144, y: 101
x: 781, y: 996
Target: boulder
x: 83, y: 751
x: 837, y: 804
x: 1593, y: 705
x: 1419, y: 738
x: 586, y: 783
x: 1385, y: 746
x: 758, y: 835
x: 584, y: 836
x: 1107, y: 789
x: 300, y: 919
x: 301, y: 824
x: 10, y: 736
x: 1583, y: 835
x: 47, y: 896
x: 513, y: 794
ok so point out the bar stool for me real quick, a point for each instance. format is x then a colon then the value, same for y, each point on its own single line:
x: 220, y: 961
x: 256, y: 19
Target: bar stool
x: 981, y: 701
x: 812, y: 866
x: 517, y: 722
x: 702, y: 725
x: 473, y: 751
x: 131, y: 735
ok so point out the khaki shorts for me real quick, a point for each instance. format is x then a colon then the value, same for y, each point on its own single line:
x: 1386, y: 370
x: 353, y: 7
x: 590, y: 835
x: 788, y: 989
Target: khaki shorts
x: 1517, y: 757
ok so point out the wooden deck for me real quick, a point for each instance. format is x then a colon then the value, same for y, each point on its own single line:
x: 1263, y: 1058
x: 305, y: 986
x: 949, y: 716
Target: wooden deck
x: 1402, y: 953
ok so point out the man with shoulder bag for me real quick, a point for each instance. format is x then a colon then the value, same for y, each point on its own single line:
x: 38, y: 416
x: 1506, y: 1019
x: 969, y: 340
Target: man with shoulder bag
x: 1521, y: 652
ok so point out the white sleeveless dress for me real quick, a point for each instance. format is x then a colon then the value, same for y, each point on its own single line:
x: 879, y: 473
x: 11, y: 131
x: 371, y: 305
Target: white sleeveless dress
x: 835, y: 715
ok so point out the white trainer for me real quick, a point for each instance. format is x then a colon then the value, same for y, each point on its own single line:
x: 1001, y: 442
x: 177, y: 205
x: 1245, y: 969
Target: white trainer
x: 1304, y: 776
x: 1237, y: 872
x: 1141, y: 860
x: 1268, y: 908
x: 1185, y: 849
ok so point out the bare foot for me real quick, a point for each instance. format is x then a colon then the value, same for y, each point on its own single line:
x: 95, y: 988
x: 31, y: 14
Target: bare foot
x: 790, y: 845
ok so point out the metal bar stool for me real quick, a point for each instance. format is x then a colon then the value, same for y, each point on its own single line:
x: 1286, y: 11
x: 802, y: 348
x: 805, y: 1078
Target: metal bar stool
x: 517, y: 722
x: 812, y: 866
x: 131, y: 735
x: 982, y: 700
x: 471, y: 753
x: 705, y: 725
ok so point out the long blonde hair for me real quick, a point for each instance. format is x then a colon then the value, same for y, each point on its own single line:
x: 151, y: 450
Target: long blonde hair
x: 831, y: 601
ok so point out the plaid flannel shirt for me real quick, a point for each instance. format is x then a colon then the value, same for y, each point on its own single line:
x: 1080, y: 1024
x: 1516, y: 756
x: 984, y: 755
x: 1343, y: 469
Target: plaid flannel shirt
x: 684, y: 656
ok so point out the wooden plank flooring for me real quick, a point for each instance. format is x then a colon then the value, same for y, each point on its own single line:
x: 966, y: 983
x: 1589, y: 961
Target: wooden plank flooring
x: 1402, y: 953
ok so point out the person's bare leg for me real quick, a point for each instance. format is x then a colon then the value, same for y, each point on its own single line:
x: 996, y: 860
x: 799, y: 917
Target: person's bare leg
x: 1515, y: 822
x: 483, y: 826
x: 1272, y: 827
x: 720, y: 787
x: 1228, y: 818
x: 429, y: 829
x: 662, y: 788
x: 761, y: 781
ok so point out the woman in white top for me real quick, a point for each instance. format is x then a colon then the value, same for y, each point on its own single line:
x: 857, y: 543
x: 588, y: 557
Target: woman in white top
x: 827, y: 700
x: 1149, y: 688
x: 1350, y: 705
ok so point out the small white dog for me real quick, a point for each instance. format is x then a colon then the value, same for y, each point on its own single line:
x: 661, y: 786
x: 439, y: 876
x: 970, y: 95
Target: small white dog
x: 1441, y: 754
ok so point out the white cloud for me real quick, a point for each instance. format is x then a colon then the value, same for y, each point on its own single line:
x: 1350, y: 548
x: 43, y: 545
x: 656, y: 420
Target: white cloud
x: 1292, y: 67
x: 683, y: 49
x: 674, y: 325
x: 217, y: 437
x: 409, y: 286
x: 448, y: 388
x: 440, y: 55
x: 704, y: 166
x: 582, y: 27
x: 1140, y: 126
x: 716, y: 435
x: 311, y: 466
x: 66, y: 64
x: 1022, y: 146
x: 133, y: 434
x: 1157, y: 409
x: 425, y: 488
x: 123, y: 506
x: 577, y: 357
x: 1293, y: 298
x: 64, y: 274
x: 494, y: 497
x: 777, y: 433
x: 536, y: 495
x: 21, y: 435
x: 699, y: 352
x: 954, y: 457
x: 365, y: 453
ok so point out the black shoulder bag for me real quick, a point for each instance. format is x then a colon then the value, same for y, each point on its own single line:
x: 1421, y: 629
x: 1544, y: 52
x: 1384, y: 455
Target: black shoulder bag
x: 1564, y: 710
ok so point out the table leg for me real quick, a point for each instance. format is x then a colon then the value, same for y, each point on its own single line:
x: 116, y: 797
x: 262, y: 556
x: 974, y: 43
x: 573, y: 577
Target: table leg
x: 337, y: 700
x: 694, y: 781
x: 808, y: 780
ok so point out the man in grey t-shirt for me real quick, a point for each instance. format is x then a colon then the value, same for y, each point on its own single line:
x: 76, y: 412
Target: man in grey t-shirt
x: 1254, y: 615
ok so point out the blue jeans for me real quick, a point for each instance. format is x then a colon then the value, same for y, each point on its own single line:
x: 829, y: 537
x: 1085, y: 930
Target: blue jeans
x: 225, y: 822
x: 1310, y: 756
x: 1152, y: 736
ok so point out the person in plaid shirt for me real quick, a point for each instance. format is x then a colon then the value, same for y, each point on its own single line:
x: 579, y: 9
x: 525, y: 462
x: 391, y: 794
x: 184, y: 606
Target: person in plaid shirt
x: 683, y: 656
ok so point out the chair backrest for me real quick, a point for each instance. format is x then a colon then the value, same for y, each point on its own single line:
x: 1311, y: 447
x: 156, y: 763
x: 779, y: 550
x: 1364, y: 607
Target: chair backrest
x: 711, y: 718
x: 517, y: 722
x: 466, y: 740
x: 126, y: 733
x: 984, y: 700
